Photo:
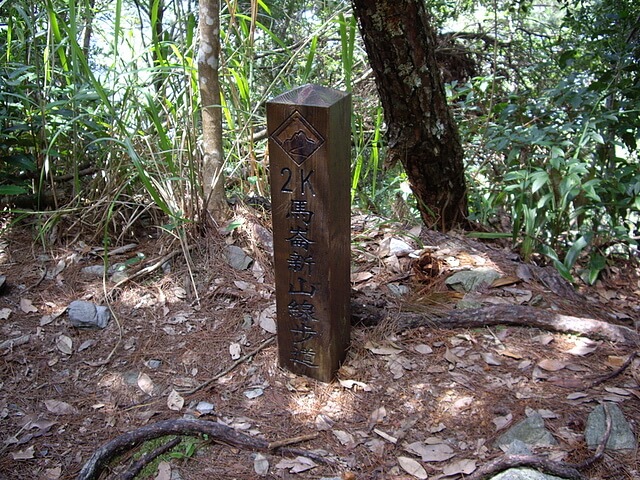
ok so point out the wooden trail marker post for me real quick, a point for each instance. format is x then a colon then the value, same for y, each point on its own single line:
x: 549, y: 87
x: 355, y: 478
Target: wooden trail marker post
x: 309, y: 151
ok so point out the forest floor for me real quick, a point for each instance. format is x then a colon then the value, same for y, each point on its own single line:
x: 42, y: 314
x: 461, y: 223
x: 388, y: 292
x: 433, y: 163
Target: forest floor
x: 171, y: 351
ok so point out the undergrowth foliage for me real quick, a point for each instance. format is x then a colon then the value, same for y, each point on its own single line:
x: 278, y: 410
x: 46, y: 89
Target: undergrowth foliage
x: 99, y: 114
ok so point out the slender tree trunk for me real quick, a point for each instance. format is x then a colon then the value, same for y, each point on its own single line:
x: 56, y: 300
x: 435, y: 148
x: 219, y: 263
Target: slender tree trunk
x: 421, y: 133
x: 156, y: 17
x: 209, y: 82
x: 89, y: 13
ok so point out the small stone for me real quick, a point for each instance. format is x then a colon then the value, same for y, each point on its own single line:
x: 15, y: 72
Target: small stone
x: 397, y: 289
x: 530, y: 431
x: 400, y: 248
x: 237, y: 258
x: 472, y: 280
x: 153, y: 364
x: 621, y: 437
x: 205, y: 408
x: 119, y: 276
x: 524, y: 474
x: 83, y: 314
x: 93, y: 271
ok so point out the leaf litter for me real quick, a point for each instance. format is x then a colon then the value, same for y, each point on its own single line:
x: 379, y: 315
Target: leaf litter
x: 395, y: 392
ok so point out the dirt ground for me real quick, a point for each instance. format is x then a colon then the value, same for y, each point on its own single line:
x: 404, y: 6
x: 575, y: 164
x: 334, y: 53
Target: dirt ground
x: 170, y: 346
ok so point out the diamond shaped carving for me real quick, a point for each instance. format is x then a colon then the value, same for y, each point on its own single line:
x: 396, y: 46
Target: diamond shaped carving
x: 298, y: 138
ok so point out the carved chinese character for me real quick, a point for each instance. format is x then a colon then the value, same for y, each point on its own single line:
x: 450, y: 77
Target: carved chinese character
x: 302, y: 282
x: 304, y: 356
x: 299, y: 238
x: 299, y: 211
x: 297, y: 262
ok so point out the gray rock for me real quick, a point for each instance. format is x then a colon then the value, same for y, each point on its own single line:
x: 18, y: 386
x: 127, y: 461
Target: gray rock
x: 517, y: 447
x: 530, y: 431
x: 205, y: 408
x: 524, y: 474
x: 83, y: 314
x: 237, y: 258
x: 153, y: 364
x: 621, y: 437
x: 472, y: 280
x: 93, y: 271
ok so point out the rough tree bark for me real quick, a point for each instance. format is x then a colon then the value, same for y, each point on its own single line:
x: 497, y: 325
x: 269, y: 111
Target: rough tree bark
x: 422, y: 135
x: 209, y: 83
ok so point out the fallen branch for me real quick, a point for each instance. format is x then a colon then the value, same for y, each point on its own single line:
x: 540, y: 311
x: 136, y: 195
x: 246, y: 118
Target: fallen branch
x: 183, y: 426
x: 285, y: 442
x: 522, y: 316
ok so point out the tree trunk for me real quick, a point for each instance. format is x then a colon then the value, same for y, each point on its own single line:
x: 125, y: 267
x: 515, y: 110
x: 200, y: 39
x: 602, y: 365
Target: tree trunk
x: 209, y: 83
x: 421, y: 133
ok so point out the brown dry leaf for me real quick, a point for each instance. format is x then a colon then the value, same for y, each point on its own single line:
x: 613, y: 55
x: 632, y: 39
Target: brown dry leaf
x: 164, y: 471
x: 616, y: 361
x: 439, y: 452
x: 423, y: 349
x: 396, y: 367
x: 297, y: 465
x: 502, y: 422
x: 412, y: 467
x: 376, y: 446
x: 323, y: 422
x: 266, y: 319
x: 464, y: 466
x: 175, y: 401
x: 377, y: 416
x: 26, y: 306
x: 583, y: 347
x: 491, y: 359
x: 64, y: 344
x: 551, y: 365
x: 451, y: 357
x: 382, y: 350
x: 361, y: 277
x: 344, y: 438
x: 509, y: 353
x: 145, y: 383
x: 52, y: 473
x: 26, y: 454
x: 618, y: 391
x: 59, y: 407
x: 504, y: 281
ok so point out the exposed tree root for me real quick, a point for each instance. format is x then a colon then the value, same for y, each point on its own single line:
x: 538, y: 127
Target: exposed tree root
x: 216, y: 431
x: 525, y: 461
x: 522, y: 316
x: 137, y: 466
x: 615, y: 373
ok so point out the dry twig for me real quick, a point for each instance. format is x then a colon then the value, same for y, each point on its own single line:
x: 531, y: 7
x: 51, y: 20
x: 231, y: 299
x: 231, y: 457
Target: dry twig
x: 615, y: 373
x: 240, y: 361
